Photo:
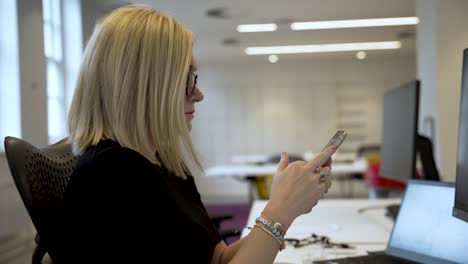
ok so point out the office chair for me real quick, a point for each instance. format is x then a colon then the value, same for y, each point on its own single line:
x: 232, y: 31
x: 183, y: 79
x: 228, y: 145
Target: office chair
x: 41, y: 176
x: 378, y: 186
x: 369, y: 152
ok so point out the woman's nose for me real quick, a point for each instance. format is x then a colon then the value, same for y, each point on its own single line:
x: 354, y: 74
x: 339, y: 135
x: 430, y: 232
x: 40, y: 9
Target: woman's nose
x: 197, y: 95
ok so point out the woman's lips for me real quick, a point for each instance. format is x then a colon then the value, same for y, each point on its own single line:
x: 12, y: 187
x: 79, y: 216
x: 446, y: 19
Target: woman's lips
x: 190, y: 114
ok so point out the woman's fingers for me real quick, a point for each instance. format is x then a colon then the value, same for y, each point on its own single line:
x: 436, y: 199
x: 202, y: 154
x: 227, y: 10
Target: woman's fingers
x: 322, y: 157
x: 284, y: 162
x: 297, y: 186
x: 327, y: 178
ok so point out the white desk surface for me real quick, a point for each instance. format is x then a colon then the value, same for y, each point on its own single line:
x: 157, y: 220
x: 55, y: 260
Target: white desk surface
x: 308, y: 155
x: 244, y: 170
x: 341, y: 221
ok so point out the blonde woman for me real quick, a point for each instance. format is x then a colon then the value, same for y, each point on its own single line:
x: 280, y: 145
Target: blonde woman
x: 131, y: 197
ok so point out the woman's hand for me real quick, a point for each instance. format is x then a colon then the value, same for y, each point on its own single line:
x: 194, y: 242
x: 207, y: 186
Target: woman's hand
x: 297, y: 187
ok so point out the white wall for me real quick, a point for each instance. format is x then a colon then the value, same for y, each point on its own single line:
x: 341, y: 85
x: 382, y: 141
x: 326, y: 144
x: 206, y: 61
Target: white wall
x: 452, y: 40
x: 33, y: 81
x: 426, y: 38
x: 33, y: 85
x: 442, y: 36
x: 10, y: 120
x: 261, y: 108
x: 33, y: 91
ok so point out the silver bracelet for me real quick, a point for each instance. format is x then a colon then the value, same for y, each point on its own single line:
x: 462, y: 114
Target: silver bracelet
x: 275, y: 229
x: 282, y: 244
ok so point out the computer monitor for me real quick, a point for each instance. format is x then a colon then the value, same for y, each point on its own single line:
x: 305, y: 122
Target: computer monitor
x: 401, y: 142
x: 425, y: 230
x: 400, y: 128
x: 460, y: 209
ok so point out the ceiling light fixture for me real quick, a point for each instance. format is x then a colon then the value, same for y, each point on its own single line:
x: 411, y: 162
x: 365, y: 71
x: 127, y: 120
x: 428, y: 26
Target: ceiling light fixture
x: 256, y: 28
x: 323, y: 48
x: 273, y: 58
x: 373, y: 22
x: 361, y: 55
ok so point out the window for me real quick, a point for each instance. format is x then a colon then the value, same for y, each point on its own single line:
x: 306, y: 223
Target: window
x: 54, y: 58
x: 10, y: 120
x: 62, y: 48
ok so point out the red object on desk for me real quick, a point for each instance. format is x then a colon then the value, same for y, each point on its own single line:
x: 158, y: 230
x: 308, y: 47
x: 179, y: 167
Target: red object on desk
x: 375, y: 180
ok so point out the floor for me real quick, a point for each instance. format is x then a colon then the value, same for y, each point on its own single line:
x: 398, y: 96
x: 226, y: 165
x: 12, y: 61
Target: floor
x: 17, y: 248
x: 16, y: 230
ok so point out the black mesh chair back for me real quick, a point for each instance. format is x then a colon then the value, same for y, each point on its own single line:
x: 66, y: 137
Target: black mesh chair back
x: 41, y: 176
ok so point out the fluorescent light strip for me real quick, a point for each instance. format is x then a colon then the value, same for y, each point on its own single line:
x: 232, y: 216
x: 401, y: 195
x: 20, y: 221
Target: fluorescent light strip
x: 256, y: 28
x: 376, y: 22
x: 323, y: 48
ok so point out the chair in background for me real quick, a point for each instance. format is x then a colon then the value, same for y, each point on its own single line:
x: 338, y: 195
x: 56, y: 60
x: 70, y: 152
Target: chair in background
x: 41, y: 176
x: 378, y: 186
x: 368, y: 149
x: 369, y: 152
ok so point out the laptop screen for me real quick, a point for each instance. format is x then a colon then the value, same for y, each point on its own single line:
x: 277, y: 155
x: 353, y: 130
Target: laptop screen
x: 425, y: 230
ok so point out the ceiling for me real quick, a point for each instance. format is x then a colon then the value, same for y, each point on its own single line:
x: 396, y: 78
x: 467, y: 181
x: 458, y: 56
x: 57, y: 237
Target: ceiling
x: 210, y: 33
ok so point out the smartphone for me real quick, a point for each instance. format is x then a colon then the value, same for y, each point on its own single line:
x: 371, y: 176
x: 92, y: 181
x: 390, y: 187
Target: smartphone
x: 337, y: 139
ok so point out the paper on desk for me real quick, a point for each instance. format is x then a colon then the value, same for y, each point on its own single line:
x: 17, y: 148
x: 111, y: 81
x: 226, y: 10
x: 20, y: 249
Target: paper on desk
x: 352, y: 233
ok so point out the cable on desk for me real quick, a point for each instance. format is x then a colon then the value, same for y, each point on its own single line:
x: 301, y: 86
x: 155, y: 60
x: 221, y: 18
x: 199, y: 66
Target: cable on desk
x: 391, y: 210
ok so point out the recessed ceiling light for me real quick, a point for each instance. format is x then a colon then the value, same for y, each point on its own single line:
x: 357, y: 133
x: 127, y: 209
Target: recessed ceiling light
x: 361, y: 55
x: 374, y: 22
x: 273, y: 58
x: 256, y: 28
x: 359, y: 46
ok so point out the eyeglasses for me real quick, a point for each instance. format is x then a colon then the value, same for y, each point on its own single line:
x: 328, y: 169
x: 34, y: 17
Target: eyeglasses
x: 191, y: 84
x: 314, y: 239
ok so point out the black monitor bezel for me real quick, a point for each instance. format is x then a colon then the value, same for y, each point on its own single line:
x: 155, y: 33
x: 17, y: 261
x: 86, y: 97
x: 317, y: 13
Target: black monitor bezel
x: 416, y: 84
x: 460, y: 211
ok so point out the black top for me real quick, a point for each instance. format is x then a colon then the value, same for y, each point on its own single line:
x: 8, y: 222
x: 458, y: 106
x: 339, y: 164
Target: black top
x: 119, y: 207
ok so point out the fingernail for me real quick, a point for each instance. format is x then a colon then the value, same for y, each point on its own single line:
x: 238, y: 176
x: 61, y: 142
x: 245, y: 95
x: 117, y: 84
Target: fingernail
x: 334, y: 147
x: 282, y: 155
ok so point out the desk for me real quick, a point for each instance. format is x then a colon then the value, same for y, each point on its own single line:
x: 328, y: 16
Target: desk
x: 341, y: 221
x: 340, y: 170
x: 244, y: 170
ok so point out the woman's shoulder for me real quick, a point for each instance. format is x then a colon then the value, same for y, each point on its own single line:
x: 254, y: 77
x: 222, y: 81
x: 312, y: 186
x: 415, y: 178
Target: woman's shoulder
x: 110, y: 156
x: 109, y: 151
x: 113, y: 168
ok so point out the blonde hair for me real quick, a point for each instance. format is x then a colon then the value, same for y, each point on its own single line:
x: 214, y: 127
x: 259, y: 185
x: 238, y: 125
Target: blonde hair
x: 131, y: 88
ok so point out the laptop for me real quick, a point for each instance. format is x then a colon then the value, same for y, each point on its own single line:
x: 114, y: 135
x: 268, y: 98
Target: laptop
x: 425, y: 230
